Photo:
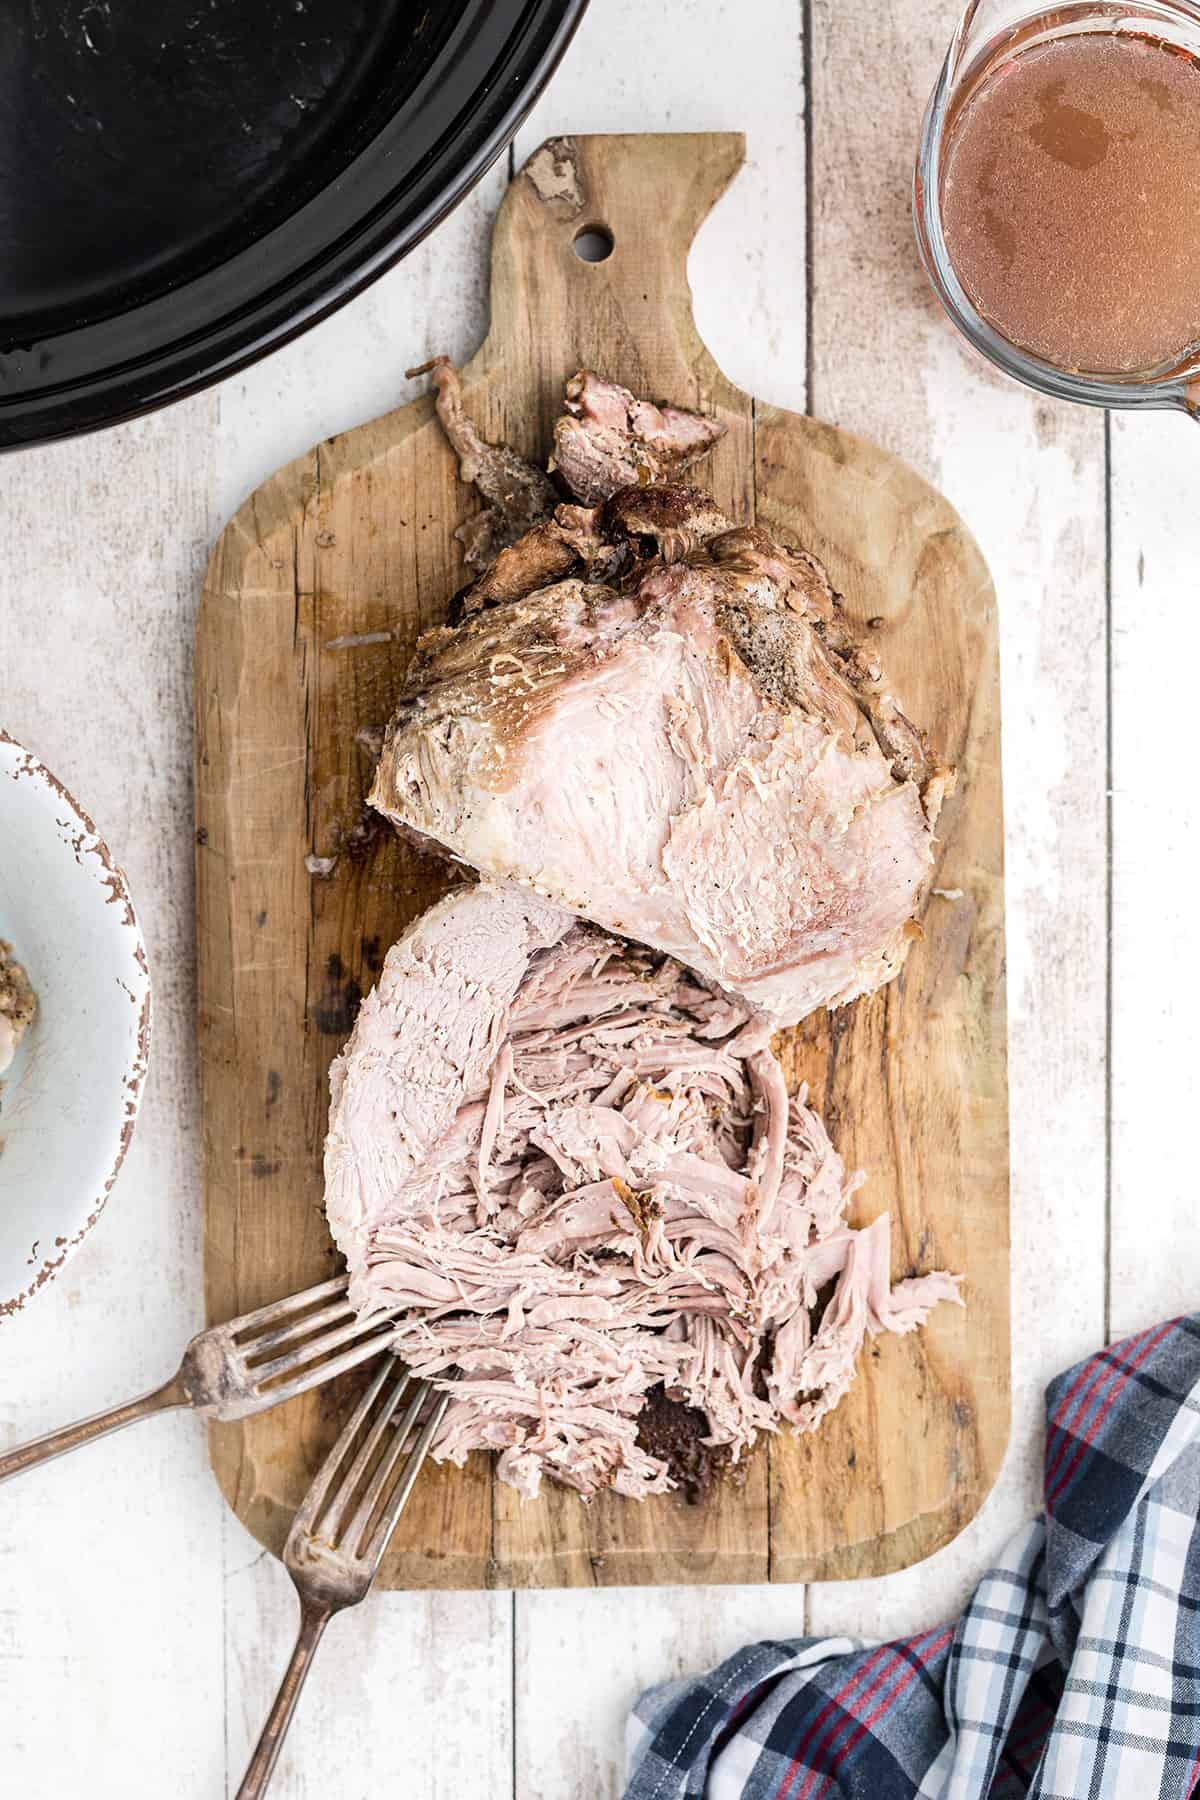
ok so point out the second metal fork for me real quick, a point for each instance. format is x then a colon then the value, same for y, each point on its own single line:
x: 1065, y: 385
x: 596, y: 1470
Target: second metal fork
x: 342, y: 1529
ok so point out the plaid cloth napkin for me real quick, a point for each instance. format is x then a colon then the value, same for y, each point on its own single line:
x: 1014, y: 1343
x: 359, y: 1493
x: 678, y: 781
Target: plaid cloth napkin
x: 1074, y: 1673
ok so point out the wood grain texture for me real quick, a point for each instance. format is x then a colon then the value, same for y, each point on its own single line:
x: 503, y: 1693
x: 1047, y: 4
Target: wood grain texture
x: 1155, y: 1243
x: 355, y: 539
x: 747, y: 271
x: 912, y: 1082
x: 1029, y: 476
x: 95, y: 674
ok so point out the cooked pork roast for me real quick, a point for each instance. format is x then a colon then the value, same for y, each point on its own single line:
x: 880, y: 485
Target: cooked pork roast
x: 565, y: 1158
x: 608, y: 439
x: 659, y: 720
x: 575, y: 1170
x: 516, y: 493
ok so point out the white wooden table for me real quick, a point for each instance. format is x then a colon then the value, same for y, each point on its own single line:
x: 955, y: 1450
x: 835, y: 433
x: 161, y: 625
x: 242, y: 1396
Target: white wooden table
x: 141, y: 1630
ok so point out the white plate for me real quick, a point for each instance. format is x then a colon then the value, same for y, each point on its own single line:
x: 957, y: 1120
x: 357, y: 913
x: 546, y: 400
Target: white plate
x: 69, y: 1101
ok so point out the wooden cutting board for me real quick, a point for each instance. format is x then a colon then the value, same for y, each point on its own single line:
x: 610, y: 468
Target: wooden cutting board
x: 356, y: 537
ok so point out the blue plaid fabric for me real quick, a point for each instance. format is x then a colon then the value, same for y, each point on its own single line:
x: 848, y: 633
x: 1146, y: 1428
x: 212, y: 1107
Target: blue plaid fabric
x: 1074, y: 1673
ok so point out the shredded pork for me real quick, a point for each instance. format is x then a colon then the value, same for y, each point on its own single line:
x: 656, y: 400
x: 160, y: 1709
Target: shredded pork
x: 574, y: 1170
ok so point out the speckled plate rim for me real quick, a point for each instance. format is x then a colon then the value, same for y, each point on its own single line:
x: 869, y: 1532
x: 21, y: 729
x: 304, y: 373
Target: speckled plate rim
x: 80, y: 1210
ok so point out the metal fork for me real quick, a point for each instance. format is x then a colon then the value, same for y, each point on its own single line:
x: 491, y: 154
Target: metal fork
x: 234, y: 1370
x: 342, y: 1529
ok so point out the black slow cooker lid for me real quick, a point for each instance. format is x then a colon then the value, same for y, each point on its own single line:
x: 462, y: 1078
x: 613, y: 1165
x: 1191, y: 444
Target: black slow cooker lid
x: 185, y: 184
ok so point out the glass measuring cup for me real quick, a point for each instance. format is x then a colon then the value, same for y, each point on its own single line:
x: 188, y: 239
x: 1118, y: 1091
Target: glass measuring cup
x: 989, y: 32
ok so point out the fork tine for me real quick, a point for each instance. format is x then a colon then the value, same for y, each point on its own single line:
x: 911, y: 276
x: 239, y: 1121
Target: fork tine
x: 271, y: 1340
x: 356, y: 1525
x: 262, y: 1373
x: 377, y: 1543
x: 337, y: 1525
x: 314, y: 1499
x: 420, y: 1449
x: 315, y: 1374
x: 278, y: 1309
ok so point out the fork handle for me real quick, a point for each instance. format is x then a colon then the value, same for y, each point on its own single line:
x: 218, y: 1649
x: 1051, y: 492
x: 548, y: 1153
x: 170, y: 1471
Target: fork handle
x: 313, y: 1620
x: 57, y: 1443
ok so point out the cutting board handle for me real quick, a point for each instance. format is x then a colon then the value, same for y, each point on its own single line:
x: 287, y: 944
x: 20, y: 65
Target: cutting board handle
x: 646, y: 195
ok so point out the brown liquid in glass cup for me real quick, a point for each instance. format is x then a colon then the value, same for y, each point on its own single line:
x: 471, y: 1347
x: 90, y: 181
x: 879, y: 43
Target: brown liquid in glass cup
x: 1057, y: 195
x: 1071, y: 200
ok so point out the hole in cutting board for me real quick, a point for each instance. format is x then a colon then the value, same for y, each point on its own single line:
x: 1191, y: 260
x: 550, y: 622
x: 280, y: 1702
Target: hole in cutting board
x: 594, y: 243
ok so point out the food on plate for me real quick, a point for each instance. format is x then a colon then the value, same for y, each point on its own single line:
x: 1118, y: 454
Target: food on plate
x: 560, y: 1146
x: 575, y: 1170
x: 18, y: 1004
x: 660, y: 720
